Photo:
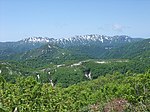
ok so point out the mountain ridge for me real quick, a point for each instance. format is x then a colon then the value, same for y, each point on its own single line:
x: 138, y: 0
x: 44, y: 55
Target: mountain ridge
x: 100, y: 42
x: 93, y: 37
x: 82, y: 39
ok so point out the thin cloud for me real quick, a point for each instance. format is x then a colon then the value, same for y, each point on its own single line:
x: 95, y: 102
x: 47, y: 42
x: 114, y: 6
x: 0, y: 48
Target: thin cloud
x: 118, y: 27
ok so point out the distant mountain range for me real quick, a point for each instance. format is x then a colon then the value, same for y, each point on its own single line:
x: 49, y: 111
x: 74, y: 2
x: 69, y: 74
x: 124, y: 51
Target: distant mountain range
x: 92, y: 46
x: 8, y: 48
x: 82, y: 40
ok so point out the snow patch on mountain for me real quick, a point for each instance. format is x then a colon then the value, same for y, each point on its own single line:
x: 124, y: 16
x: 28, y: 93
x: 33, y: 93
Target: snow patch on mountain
x: 81, y: 40
x: 37, y: 39
x: 101, y: 62
x: 49, y: 46
x: 76, y: 64
x: 60, y: 65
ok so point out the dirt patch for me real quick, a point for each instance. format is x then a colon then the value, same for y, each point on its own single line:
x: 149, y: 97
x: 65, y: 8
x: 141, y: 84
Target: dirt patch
x: 117, y: 105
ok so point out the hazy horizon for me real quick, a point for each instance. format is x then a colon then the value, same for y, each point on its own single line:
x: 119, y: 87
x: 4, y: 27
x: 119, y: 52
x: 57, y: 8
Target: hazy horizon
x: 67, y: 18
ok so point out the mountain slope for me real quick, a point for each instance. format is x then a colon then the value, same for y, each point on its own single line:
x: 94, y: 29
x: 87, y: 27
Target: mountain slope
x: 47, y: 54
x: 95, y: 39
x: 93, y: 45
x: 10, y: 48
x: 139, y: 49
x: 98, y: 49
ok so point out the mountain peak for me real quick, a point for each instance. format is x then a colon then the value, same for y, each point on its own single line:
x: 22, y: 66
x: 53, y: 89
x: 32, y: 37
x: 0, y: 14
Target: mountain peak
x: 90, y: 39
x: 93, y: 39
x: 37, y: 39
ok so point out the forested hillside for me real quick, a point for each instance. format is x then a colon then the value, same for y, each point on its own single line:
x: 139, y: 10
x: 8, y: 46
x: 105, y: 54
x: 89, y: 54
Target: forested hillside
x: 138, y: 49
x: 112, y: 92
x: 83, y: 78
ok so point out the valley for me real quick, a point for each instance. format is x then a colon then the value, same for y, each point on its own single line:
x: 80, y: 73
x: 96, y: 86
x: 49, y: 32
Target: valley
x: 77, y: 74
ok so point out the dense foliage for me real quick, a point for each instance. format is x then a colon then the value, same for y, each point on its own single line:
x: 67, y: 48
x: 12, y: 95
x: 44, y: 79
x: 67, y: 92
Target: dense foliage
x: 27, y: 95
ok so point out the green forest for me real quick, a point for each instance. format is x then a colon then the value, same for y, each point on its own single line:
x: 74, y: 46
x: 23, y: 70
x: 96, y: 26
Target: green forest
x: 115, y: 86
x: 118, y: 92
x: 53, y: 79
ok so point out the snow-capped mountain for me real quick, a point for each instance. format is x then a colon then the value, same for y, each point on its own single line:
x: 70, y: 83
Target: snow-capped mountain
x: 37, y: 40
x: 93, y: 40
x: 81, y: 40
x: 9, y: 48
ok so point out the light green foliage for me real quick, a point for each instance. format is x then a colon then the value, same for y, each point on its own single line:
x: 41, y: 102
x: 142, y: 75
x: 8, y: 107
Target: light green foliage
x: 29, y: 95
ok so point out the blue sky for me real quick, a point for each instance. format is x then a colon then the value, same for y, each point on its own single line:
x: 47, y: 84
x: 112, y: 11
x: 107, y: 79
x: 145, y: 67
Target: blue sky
x: 64, y: 18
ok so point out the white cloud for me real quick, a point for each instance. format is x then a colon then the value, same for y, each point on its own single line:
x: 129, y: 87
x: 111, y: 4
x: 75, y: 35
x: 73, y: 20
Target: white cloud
x: 118, y: 27
x: 112, y: 29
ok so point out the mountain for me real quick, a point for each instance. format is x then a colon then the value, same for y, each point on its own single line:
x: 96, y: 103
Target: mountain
x: 37, y: 40
x: 102, y: 42
x: 48, y: 51
x: 97, y: 46
x: 9, y: 48
x: 95, y: 39
x: 47, y: 54
x: 10, y: 70
x: 140, y: 49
